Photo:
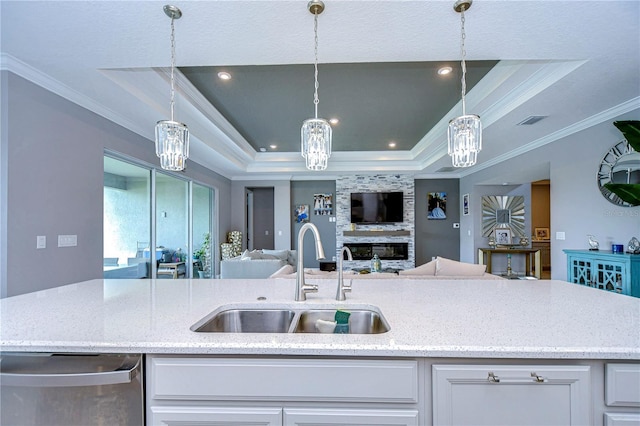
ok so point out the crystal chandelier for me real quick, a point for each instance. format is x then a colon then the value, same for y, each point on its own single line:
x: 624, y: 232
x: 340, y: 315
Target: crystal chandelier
x: 464, y: 132
x: 316, y: 132
x: 172, y: 137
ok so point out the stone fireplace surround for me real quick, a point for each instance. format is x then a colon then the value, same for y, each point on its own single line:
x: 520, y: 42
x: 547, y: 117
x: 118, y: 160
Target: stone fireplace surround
x: 403, y: 232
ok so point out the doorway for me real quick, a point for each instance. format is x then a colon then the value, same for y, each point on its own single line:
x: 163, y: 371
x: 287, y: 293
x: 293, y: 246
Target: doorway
x: 541, y: 223
x: 260, y: 218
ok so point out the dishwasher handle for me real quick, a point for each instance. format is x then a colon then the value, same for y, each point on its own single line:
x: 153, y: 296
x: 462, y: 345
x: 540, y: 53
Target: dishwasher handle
x: 125, y: 373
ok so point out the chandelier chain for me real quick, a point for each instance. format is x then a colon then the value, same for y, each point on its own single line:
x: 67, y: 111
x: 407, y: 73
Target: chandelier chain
x: 173, y: 66
x: 316, y: 100
x: 463, y: 53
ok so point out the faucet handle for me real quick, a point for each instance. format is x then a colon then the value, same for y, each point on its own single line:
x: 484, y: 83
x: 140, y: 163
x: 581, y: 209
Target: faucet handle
x: 310, y: 288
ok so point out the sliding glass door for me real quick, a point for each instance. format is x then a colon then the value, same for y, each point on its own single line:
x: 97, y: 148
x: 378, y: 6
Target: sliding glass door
x: 202, y: 215
x: 182, y: 224
x: 127, y: 220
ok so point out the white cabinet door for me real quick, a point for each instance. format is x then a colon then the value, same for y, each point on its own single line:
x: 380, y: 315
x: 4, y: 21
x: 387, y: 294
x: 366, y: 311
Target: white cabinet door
x: 330, y: 416
x: 622, y: 386
x: 203, y: 416
x: 511, y: 395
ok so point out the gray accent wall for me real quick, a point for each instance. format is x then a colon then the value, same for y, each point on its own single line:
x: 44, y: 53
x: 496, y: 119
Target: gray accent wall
x: 52, y: 184
x: 302, y: 193
x: 437, y: 237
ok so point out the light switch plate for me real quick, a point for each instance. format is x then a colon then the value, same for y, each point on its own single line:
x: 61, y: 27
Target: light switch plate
x: 41, y: 241
x: 560, y: 235
x: 67, y: 240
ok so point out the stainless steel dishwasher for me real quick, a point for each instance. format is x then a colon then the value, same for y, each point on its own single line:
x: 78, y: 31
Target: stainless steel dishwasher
x: 71, y: 389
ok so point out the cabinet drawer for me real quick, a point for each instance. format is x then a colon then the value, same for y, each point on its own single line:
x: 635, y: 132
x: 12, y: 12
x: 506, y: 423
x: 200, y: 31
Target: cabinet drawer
x: 284, y: 379
x: 622, y: 386
x: 237, y: 416
x: 347, y: 416
x: 615, y: 419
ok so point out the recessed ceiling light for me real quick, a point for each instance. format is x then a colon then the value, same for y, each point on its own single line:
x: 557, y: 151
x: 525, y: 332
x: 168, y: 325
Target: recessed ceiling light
x: 262, y: 149
x: 392, y: 144
x: 334, y: 121
x: 223, y: 75
x: 273, y: 146
x: 445, y: 70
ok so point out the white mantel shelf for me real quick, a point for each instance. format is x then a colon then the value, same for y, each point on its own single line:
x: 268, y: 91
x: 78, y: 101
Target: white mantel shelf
x: 381, y: 233
x: 428, y: 318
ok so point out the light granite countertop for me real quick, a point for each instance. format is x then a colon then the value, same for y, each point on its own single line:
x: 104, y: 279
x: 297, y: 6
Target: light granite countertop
x: 428, y: 318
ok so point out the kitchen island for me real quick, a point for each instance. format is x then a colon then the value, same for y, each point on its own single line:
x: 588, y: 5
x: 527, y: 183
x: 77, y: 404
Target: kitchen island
x: 443, y: 334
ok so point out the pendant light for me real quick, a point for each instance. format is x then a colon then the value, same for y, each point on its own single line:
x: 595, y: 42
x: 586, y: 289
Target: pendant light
x: 172, y: 137
x: 465, y: 132
x: 316, y: 132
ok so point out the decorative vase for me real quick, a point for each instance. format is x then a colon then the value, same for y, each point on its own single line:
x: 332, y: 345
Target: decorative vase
x: 376, y: 265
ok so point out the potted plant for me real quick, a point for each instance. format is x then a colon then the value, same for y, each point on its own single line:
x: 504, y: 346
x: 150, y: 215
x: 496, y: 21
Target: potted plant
x: 204, y: 255
x: 628, y: 192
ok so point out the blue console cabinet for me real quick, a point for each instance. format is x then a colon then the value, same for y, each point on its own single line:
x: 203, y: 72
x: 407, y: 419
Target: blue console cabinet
x: 617, y: 272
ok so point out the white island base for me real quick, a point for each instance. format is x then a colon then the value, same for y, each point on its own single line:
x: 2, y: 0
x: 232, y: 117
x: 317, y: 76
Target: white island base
x: 458, y: 352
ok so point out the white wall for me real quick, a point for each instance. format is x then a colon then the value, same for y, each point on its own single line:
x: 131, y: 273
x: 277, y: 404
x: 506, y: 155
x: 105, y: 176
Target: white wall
x: 54, y: 185
x: 577, y: 207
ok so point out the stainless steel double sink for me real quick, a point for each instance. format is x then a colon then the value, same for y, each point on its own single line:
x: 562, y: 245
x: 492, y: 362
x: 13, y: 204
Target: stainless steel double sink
x: 261, y: 319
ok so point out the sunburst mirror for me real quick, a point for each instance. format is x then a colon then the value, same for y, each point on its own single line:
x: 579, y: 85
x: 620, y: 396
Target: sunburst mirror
x: 503, y: 211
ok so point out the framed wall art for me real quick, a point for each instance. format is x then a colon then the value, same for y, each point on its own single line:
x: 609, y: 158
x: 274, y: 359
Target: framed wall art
x: 301, y: 213
x: 323, y: 204
x: 541, y: 233
x: 437, y: 205
x: 502, y: 236
x: 465, y: 205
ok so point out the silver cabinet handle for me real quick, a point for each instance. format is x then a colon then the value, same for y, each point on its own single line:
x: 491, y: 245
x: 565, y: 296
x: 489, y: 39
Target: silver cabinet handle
x: 126, y: 373
x: 536, y: 378
x: 492, y: 378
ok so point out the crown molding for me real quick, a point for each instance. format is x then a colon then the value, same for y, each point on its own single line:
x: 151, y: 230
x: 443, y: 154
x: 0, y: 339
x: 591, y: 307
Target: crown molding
x: 35, y: 76
x: 606, y: 115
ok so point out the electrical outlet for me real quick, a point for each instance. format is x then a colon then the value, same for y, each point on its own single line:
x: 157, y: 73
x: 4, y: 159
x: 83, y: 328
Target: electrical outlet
x: 67, y: 240
x: 560, y: 235
x: 41, y: 241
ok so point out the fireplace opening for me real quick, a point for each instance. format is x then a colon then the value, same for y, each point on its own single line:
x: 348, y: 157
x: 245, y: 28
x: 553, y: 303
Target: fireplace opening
x: 385, y: 251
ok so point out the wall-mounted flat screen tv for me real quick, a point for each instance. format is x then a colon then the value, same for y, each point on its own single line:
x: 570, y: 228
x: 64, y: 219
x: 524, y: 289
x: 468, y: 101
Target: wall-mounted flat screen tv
x: 377, y: 207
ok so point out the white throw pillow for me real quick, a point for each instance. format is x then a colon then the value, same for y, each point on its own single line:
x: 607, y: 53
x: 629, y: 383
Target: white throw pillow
x: 426, y: 269
x: 252, y: 255
x: 448, y: 267
x: 280, y: 254
x: 285, y: 270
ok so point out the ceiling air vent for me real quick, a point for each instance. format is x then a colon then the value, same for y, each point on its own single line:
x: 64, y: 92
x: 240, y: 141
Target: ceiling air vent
x: 446, y: 169
x: 532, y: 119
